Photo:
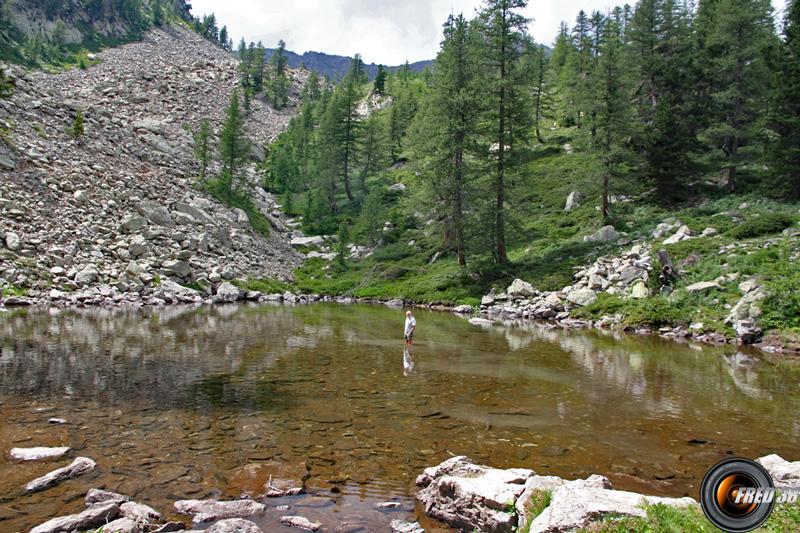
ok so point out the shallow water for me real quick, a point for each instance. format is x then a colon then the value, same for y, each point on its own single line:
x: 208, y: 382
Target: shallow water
x: 181, y: 403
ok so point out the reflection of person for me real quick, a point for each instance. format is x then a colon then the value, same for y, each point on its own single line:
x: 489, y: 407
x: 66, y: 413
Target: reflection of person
x: 411, y: 327
x: 408, y: 361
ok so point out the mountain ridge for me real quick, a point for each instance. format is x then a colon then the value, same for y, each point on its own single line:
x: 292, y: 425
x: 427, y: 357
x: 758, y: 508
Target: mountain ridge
x: 336, y: 66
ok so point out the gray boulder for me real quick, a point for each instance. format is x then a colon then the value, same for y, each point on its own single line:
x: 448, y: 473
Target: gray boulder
x: 234, y: 525
x: 535, y: 485
x: 520, y: 289
x: 93, y: 517
x: 122, y: 525
x: 399, y: 526
x: 13, y: 242
x: 227, y: 292
x: 300, y: 522
x: 703, y: 286
x: 132, y: 224
x: 574, y: 200
x: 38, y: 453
x: 211, y: 510
x: 785, y: 474
x: 582, y: 297
x: 155, y: 213
x: 78, y: 467
x: 574, y: 507
x: 95, y: 496
x: 178, y: 268
x: 604, y: 234
x: 469, y: 496
x: 87, y: 276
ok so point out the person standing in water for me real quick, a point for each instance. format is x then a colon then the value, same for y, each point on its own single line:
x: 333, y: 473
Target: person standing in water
x: 411, y: 327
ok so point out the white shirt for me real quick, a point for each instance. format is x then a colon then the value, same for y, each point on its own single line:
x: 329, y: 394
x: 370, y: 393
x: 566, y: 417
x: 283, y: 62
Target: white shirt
x: 411, y: 322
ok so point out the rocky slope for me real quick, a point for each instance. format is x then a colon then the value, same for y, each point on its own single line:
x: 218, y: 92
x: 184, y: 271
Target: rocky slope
x: 117, y: 209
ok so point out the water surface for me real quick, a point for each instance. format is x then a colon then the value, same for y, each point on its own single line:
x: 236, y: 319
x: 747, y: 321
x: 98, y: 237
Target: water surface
x: 187, y: 402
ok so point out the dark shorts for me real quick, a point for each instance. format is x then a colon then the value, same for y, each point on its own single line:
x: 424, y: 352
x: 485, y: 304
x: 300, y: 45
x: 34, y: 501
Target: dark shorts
x: 409, y: 336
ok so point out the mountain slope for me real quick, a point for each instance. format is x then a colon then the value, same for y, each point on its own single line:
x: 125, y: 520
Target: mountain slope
x: 118, y: 205
x: 334, y: 66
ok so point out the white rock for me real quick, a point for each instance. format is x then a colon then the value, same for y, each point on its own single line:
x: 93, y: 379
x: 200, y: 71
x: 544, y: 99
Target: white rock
x: 520, y: 289
x: 210, y: 510
x: 37, y: 454
x: 300, y: 522
x: 13, y: 242
x: 93, y: 517
x: 785, y: 474
x: 574, y: 507
x: 703, y: 286
x: 582, y: 297
x: 78, y: 467
x: 604, y: 234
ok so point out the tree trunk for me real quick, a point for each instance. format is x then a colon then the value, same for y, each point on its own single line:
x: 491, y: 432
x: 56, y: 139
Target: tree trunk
x: 500, y: 230
x: 458, y: 214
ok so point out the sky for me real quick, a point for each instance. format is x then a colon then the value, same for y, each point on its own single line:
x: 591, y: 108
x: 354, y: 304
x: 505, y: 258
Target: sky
x: 382, y: 31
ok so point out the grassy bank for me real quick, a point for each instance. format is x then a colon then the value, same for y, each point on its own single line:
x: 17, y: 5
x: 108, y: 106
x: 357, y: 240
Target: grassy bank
x: 546, y: 245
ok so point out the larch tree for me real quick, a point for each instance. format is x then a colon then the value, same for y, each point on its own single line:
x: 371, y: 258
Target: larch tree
x: 739, y: 33
x: 786, y: 121
x: 233, y: 145
x: 504, y: 33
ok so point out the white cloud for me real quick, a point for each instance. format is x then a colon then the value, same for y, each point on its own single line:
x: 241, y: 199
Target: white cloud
x: 382, y: 31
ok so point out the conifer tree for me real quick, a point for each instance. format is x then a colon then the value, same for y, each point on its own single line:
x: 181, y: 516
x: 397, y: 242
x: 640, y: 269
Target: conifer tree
x: 786, y: 152
x: 504, y: 34
x: 739, y: 34
x: 279, y: 82
x: 233, y: 145
x: 379, y: 85
x: 448, y: 125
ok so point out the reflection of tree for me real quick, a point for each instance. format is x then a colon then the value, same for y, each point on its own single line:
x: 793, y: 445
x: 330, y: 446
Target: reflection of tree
x: 206, y: 355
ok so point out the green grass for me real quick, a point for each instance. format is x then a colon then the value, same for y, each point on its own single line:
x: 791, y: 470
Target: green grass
x: 538, y: 502
x: 230, y: 197
x: 13, y: 290
x: 266, y: 286
x: 665, y: 519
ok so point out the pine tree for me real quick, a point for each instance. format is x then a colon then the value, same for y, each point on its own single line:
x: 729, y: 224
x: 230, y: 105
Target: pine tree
x: 202, y: 146
x: 233, y: 145
x: 612, y: 105
x: 224, y: 38
x: 157, y: 13
x: 504, y: 32
x: 77, y: 130
x: 786, y: 152
x: 242, y: 50
x: 739, y: 33
x: 661, y: 52
x: 279, y: 82
x: 379, y: 85
x: 373, y: 150
x: 447, y: 126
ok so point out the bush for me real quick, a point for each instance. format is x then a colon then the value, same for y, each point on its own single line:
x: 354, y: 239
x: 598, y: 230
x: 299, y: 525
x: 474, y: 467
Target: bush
x: 762, y: 225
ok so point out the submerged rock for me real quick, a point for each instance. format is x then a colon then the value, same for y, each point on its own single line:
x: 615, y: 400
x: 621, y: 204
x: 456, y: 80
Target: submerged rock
x: 93, y: 517
x: 95, y: 496
x: 38, y: 453
x: 234, y: 525
x: 399, y: 526
x: 210, y: 510
x: 300, y: 522
x: 78, y: 467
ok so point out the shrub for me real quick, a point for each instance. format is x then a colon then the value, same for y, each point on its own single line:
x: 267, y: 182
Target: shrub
x: 762, y: 225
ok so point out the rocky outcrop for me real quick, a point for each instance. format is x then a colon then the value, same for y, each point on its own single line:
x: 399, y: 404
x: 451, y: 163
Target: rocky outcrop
x: 118, y: 209
x: 573, y: 507
x: 785, y: 474
x: 745, y: 314
x: 471, y: 497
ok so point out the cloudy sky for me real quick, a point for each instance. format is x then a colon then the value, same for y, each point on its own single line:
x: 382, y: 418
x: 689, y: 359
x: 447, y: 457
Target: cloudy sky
x: 382, y: 31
